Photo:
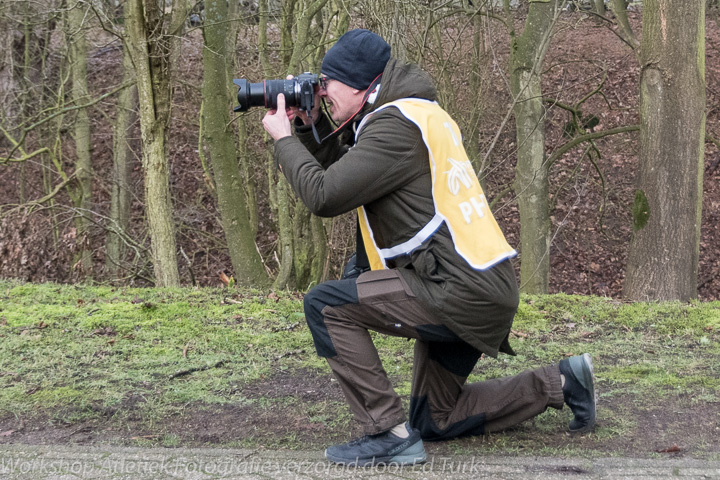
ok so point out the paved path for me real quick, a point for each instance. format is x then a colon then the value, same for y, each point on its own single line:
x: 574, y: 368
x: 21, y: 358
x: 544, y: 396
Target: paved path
x: 23, y: 462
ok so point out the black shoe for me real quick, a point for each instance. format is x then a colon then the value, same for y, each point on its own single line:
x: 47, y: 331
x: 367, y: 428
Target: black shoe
x: 579, y: 391
x: 381, y: 449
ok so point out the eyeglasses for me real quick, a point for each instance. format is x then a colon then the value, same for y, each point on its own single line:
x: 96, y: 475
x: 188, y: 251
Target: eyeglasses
x: 324, y: 82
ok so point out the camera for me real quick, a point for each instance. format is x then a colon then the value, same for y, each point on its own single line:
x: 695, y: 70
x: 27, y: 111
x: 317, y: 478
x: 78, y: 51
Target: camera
x: 299, y: 92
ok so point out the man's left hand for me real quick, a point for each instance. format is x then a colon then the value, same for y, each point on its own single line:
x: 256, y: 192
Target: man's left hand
x: 276, y: 122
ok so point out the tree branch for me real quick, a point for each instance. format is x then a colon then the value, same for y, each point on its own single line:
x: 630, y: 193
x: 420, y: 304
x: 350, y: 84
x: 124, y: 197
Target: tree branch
x: 55, y: 190
x: 26, y: 130
x: 626, y: 33
x: 25, y: 156
x: 587, y: 137
x: 47, y: 197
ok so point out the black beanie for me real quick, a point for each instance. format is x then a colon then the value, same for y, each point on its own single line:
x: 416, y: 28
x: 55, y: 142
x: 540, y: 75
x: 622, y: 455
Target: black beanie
x: 356, y: 59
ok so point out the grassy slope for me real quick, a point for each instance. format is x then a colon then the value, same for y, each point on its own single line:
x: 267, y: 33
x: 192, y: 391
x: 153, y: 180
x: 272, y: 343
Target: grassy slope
x: 76, y: 354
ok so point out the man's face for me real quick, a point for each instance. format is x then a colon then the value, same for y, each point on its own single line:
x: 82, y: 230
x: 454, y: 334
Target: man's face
x: 342, y: 101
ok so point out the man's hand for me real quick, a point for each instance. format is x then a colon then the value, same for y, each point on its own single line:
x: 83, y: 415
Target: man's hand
x: 293, y: 112
x: 278, y: 125
x: 276, y: 122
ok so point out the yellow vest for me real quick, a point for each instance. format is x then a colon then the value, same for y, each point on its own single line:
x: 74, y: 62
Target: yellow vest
x: 459, y: 200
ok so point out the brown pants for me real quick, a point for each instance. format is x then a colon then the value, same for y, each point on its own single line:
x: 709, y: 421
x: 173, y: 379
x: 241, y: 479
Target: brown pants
x: 442, y: 405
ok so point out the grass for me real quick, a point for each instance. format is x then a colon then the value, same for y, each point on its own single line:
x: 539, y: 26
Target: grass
x: 72, y: 354
x: 67, y: 346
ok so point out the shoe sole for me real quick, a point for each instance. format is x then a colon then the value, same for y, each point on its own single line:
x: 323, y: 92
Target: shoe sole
x: 582, y: 375
x: 412, y: 455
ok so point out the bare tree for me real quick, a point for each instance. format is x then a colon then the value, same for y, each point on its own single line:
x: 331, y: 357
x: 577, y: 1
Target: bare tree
x: 120, y: 195
x: 26, y: 78
x: 302, y: 242
x: 219, y: 139
x: 153, y: 42
x: 527, y: 53
x: 75, y: 26
x: 664, y: 251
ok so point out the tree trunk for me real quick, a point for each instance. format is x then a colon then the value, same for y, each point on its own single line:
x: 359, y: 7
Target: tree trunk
x: 600, y: 7
x: 247, y: 168
x: 285, y: 233
x: 8, y: 81
x: 122, y: 166
x: 531, y: 176
x: 83, y: 166
x: 247, y: 163
x: 309, y: 240
x: 619, y: 9
x: 477, y: 65
x: 246, y: 262
x: 152, y: 50
x: 310, y: 246
x: 664, y: 250
x: 10, y: 84
x: 302, y: 242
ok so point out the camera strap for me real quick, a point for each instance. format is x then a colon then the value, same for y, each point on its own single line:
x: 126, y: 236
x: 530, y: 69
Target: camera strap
x: 314, y: 130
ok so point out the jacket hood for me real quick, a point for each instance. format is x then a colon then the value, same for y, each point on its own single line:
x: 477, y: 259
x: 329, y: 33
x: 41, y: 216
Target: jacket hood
x: 404, y: 80
x: 399, y: 80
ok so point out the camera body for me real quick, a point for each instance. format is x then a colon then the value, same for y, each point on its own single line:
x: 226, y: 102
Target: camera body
x: 299, y: 92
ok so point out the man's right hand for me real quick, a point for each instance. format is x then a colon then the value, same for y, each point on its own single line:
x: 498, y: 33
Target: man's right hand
x: 293, y: 112
x: 276, y: 121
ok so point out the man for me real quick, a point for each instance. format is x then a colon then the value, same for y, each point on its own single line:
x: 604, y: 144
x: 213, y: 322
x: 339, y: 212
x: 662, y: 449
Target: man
x: 441, y: 275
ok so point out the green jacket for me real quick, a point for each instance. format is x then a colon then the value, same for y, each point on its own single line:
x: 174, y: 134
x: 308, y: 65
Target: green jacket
x: 388, y: 171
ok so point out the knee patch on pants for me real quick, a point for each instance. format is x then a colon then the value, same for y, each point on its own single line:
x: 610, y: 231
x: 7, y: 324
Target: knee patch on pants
x: 328, y: 294
x: 421, y: 418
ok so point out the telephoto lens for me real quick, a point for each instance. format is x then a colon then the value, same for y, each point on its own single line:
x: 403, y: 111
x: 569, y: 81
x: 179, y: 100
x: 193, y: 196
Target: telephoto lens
x: 264, y: 94
x: 298, y: 91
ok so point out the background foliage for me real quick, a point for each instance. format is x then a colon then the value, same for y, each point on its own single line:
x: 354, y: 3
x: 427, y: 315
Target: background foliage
x: 589, y: 80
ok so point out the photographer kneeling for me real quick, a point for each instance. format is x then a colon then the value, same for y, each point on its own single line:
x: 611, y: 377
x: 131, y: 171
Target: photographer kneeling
x: 441, y: 269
